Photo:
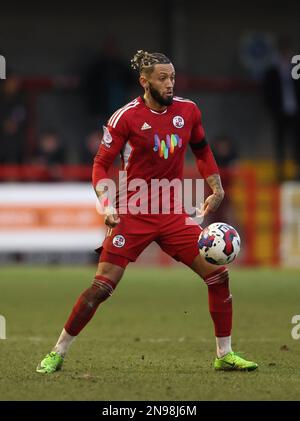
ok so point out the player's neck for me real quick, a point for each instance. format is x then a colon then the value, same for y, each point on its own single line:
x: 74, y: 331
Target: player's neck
x: 154, y: 105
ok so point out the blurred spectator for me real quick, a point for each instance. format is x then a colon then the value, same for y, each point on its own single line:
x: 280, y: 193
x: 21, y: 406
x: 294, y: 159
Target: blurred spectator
x: 50, y: 149
x: 90, y: 147
x: 12, y: 121
x: 51, y: 154
x: 282, y: 96
x: 107, y: 81
x: 225, y: 151
x: 226, y: 156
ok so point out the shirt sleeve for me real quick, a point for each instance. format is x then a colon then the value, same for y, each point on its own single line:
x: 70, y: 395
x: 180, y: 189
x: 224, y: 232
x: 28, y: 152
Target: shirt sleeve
x: 204, y: 157
x: 112, y: 142
x: 198, y: 132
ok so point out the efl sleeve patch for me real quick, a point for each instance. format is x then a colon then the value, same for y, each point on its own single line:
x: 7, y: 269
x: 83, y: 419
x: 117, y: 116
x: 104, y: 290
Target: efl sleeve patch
x: 107, y: 137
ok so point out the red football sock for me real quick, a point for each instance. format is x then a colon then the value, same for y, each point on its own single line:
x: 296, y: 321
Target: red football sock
x: 87, y: 304
x: 220, y: 301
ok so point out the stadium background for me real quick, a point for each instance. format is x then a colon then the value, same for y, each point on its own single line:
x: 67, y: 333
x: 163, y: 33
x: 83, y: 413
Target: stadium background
x: 47, y: 208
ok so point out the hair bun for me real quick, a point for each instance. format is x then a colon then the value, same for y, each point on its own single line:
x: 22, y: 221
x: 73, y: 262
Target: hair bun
x: 142, y: 59
x: 138, y: 60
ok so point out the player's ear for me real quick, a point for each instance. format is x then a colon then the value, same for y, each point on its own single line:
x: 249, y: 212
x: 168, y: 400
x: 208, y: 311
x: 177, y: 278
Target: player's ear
x: 143, y: 82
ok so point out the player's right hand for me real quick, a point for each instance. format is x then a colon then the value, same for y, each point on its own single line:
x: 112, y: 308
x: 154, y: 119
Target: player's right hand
x: 111, y: 218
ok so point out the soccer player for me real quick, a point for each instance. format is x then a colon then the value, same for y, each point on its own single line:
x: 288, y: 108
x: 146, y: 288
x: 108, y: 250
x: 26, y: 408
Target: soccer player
x: 152, y: 133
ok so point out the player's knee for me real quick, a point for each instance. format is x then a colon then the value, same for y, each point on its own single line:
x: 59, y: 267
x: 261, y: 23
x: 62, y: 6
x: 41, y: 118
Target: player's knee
x: 111, y: 271
x: 218, y: 276
x: 100, y: 290
x: 103, y: 287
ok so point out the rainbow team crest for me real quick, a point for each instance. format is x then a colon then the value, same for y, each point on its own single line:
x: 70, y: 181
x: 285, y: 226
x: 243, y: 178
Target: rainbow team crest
x: 164, y: 147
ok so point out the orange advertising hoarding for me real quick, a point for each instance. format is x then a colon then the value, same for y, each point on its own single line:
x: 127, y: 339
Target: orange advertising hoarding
x: 49, y: 217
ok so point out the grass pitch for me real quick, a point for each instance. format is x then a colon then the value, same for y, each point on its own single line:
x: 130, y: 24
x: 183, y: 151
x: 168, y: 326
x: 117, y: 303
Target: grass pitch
x: 153, y: 340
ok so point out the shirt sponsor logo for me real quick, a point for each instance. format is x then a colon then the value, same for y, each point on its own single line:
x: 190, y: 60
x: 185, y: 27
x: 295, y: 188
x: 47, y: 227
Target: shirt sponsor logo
x: 118, y: 241
x: 166, y: 147
x: 178, y: 121
x: 107, y: 138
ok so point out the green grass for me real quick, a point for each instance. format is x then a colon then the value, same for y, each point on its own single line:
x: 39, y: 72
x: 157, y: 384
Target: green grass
x: 153, y: 340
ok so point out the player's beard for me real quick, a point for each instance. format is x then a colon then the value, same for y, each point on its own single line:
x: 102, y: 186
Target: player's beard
x: 159, y: 98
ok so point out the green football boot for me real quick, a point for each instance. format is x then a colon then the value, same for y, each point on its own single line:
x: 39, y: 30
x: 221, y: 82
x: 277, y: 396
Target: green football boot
x: 232, y: 361
x: 51, y: 363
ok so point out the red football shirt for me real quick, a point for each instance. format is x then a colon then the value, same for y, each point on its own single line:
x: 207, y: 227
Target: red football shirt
x: 153, y: 144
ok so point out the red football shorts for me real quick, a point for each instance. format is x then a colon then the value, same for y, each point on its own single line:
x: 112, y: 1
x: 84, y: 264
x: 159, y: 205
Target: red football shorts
x: 176, y: 237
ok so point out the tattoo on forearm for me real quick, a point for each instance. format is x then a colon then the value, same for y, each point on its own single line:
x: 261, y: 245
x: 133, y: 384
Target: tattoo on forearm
x: 215, y: 183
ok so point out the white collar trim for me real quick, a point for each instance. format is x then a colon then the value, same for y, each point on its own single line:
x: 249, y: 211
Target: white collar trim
x: 156, y: 112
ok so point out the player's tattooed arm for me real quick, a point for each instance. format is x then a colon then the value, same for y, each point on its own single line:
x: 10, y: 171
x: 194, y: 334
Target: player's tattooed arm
x: 213, y: 201
x: 215, y: 183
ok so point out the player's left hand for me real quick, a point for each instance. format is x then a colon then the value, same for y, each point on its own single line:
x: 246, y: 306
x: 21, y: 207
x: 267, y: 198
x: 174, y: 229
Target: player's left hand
x: 212, y: 203
x: 111, y: 218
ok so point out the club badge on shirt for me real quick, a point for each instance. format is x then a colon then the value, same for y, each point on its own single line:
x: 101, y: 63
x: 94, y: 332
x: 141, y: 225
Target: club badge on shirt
x: 178, y: 121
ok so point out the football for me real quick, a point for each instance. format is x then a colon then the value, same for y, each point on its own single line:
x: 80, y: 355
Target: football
x: 219, y: 243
